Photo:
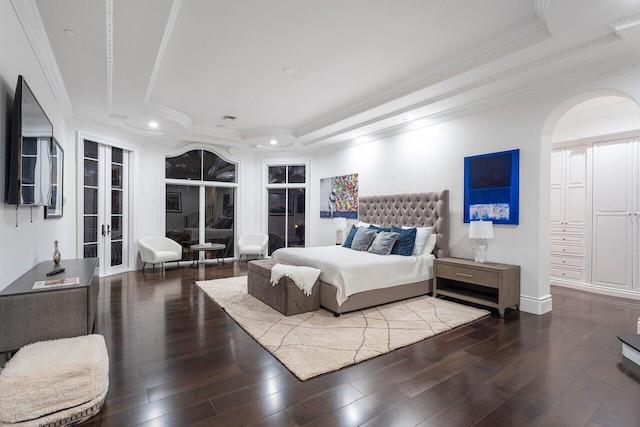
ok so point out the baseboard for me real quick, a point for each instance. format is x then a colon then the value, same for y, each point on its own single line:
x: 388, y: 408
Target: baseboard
x: 588, y: 287
x: 533, y: 305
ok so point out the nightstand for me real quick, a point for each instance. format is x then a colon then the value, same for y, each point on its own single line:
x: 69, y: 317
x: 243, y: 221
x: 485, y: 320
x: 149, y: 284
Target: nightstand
x: 489, y: 284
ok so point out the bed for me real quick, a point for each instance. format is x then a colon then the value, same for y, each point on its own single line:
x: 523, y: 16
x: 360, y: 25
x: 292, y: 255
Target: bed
x: 402, y: 277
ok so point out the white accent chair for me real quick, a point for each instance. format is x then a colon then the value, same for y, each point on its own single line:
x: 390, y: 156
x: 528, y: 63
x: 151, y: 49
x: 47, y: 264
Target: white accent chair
x: 252, y: 244
x: 159, y: 250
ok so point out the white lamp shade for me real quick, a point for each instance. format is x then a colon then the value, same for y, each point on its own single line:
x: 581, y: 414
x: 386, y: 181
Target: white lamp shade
x: 340, y: 223
x: 481, y: 230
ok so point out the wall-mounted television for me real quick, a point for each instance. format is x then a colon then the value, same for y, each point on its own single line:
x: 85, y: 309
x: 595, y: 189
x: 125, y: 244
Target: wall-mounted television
x: 28, y: 151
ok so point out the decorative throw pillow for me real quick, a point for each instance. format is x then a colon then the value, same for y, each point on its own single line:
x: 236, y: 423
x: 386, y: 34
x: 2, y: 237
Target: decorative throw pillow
x: 422, y: 236
x: 406, y: 241
x: 363, y: 238
x: 383, y: 243
x: 349, y: 239
x: 431, y: 244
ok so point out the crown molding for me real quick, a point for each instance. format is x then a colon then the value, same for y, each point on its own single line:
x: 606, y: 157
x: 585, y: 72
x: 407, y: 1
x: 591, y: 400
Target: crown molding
x: 524, y: 36
x: 554, y: 57
x: 109, y: 39
x: 582, y: 77
x: 230, y: 135
x: 87, y: 125
x: 168, y: 31
x: 626, y: 25
x: 168, y: 113
x: 29, y: 17
x: 541, y: 7
x: 142, y: 132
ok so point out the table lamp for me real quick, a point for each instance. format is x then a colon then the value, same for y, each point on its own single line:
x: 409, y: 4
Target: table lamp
x: 481, y: 230
x: 340, y: 224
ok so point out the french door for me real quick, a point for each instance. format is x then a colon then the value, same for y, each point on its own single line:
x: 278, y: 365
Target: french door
x: 106, y: 206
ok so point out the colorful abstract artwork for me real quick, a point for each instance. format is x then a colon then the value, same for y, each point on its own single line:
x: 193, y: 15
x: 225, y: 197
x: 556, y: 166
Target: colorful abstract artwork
x: 491, y: 187
x: 339, y: 196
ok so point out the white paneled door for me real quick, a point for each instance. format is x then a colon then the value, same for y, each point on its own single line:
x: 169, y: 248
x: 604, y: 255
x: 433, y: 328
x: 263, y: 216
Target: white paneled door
x: 105, y: 205
x: 615, y: 214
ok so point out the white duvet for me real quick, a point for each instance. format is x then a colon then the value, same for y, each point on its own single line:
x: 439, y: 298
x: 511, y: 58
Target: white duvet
x: 354, y: 271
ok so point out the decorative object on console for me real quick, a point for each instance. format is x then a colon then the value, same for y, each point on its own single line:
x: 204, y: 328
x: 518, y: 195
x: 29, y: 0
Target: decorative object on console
x: 491, y: 187
x: 339, y: 196
x: 340, y: 223
x: 481, y: 230
x: 56, y: 253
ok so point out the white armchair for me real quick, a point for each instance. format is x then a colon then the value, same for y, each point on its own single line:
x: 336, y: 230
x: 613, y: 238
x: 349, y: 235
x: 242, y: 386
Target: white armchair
x: 159, y: 250
x: 252, y: 244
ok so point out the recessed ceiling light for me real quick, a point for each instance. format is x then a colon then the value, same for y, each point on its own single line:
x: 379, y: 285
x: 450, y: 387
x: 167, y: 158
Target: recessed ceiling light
x: 70, y: 32
x: 288, y: 70
x: 153, y: 125
x: 273, y: 142
x: 409, y: 117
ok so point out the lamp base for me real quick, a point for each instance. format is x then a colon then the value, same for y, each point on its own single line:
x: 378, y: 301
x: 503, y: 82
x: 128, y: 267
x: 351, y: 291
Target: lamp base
x: 481, y: 250
x: 339, y: 236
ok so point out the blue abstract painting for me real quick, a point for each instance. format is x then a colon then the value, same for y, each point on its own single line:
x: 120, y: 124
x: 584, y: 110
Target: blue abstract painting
x: 491, y: 187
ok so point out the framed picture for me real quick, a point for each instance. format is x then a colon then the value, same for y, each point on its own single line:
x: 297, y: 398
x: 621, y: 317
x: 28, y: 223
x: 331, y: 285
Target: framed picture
x: 491, y: 187
x: 174, y: 202
x: 339, y: 196
x: 54, y: 210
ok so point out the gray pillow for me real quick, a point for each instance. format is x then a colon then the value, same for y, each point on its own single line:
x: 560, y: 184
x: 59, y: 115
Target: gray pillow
x: 383, y: 243
x: 363, y: 238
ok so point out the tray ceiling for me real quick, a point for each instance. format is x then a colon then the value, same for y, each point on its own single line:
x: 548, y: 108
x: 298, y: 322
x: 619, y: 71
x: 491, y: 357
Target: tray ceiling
x: 313, y: 74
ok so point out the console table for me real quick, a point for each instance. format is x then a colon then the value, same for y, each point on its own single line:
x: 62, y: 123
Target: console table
x: 490, y: 284
x: 28, y: 315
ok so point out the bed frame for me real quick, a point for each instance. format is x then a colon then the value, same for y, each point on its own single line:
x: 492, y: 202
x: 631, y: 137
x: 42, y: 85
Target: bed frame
x: 410, y: 209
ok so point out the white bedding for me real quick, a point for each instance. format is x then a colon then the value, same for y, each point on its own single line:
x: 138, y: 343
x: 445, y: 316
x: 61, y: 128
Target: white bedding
x: 354, y: 271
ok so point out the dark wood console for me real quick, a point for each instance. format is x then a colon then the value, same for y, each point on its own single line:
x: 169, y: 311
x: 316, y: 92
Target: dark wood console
x: 29, y: 315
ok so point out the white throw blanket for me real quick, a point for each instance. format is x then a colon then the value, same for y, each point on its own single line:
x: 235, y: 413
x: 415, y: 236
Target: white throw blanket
x: 303, y: 277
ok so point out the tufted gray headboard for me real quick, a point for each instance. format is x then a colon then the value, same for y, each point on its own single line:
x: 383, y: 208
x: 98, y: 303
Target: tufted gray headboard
x: 410, y: 209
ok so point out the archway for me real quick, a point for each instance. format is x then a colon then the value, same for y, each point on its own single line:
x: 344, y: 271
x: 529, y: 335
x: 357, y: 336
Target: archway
x: 581, y: 120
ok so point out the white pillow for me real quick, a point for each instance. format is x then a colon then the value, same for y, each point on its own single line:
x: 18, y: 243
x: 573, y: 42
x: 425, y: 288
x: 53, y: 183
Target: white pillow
x: 422, y: 238
x: 431, y: 244
x: 362, y: 224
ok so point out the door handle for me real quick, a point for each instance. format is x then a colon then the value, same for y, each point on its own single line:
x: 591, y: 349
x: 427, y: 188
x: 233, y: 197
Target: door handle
x: 108, y: 229
x: 103, y: 232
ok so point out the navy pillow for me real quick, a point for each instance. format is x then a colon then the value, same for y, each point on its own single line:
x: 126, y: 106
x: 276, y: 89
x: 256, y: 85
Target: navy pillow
x: 406, y: 241
x: 349, y: 239
x: 379, y: 229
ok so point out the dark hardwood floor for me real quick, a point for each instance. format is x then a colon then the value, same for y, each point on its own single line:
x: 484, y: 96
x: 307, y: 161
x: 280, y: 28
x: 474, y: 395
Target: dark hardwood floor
x: 177, y: 359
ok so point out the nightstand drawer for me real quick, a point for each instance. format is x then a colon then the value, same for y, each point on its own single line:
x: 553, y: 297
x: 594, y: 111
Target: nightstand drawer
x: 469, y: 275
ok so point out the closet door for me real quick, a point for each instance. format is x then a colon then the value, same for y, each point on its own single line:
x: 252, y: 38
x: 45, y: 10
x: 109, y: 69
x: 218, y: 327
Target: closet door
x: 557, y: 187
x: 613, y: 194
x: 576, y: 192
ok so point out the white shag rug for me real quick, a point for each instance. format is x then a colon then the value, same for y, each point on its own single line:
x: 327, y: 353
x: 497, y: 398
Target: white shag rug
x: 314, y: 343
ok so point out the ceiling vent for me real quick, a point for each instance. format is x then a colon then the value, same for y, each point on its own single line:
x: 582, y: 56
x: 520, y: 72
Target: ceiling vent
x: 232, y: 118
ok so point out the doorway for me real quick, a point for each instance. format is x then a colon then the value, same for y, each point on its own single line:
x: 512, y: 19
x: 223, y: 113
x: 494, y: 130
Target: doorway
x: 104, y: 201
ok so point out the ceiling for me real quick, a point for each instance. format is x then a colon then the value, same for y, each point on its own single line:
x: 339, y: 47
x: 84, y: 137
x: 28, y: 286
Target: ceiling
x: 312, y: 74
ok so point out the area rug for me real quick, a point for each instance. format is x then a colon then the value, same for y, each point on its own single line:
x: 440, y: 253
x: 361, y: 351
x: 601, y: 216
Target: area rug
x: 312, y: 344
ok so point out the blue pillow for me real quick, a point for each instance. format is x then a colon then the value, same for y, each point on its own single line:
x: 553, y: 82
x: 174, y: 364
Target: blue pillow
x: 379, y: 229
x: 349, y: 239
x: 406, y: 241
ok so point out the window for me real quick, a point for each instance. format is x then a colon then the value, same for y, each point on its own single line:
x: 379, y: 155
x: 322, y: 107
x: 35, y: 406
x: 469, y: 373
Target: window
x: 200, y: 200
x: 286, y: 205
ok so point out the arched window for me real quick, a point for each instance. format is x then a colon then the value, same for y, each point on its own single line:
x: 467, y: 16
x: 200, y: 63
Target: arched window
x: 200, y: 201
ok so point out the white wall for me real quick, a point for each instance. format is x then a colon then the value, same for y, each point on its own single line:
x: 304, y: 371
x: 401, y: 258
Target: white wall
x: 432, y: 159
x: 30, y: 242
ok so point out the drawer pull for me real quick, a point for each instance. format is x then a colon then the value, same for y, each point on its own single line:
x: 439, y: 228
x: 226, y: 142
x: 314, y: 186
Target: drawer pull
x: 463, y: 275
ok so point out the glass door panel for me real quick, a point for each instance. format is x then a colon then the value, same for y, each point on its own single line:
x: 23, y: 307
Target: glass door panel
x: 295, y: 218
x: 105, y: 206
x: 219, y: 217
x: 277, y: 208
x: 182, y: 216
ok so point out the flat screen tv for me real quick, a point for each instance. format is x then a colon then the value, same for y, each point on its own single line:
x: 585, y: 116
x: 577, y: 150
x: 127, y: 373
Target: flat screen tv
x: 28, y: 151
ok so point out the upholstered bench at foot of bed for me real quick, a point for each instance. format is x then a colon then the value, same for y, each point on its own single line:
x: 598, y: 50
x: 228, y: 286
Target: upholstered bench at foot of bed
x: 55, y: 383
x: 285, y: 296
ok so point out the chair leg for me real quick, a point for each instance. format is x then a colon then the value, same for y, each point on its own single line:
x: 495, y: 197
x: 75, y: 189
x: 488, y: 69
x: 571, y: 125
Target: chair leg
x: 143, y: 264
